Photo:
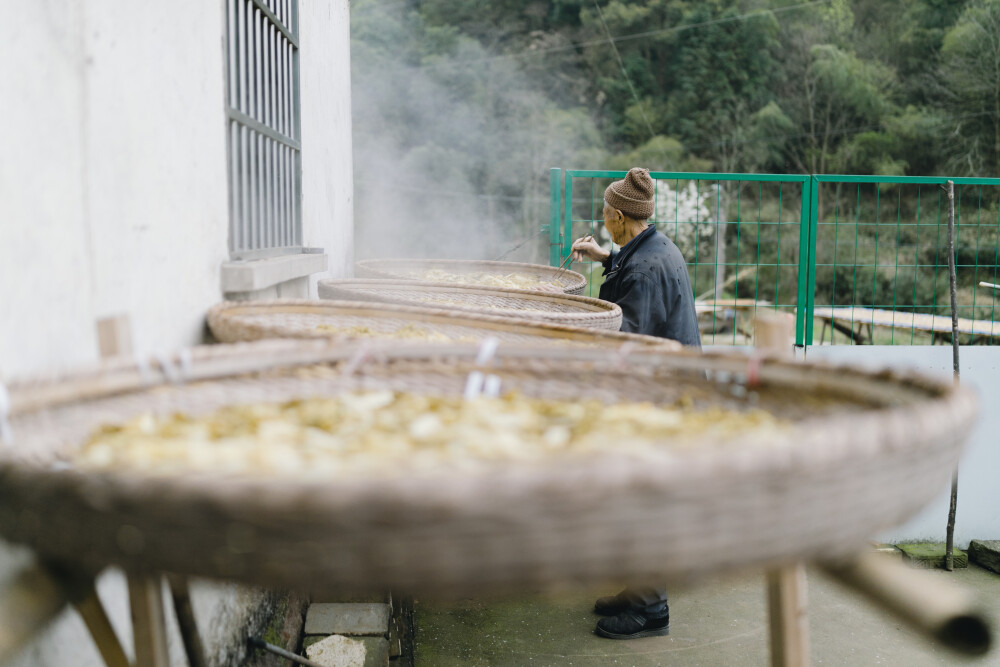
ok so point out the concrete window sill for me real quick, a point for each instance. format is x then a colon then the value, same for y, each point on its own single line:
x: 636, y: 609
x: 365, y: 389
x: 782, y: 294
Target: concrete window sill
x: 257, y: 274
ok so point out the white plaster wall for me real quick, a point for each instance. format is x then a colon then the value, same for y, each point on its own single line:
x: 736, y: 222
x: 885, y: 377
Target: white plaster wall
x: 116, y: 201
x: 327, y: 158
x: 156, y: 164
x: 113, y: 199
x: 978, y: 509
x: 46, y: 304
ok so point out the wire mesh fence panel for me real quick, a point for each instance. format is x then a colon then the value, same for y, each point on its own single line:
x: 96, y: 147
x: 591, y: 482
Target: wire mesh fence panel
x: 739, y: 235
x: 880, y: 261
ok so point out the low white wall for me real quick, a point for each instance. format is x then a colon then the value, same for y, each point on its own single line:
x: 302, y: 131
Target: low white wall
x: 978, y: 513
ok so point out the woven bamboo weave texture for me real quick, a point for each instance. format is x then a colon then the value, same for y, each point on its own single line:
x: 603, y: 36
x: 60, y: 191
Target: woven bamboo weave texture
x: 567, y: 309
x: 863, y: 451
x: 410, y: 269
x: 253, y: 320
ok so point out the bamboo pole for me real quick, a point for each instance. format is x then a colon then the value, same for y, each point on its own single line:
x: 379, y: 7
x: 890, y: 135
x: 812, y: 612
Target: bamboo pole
x: 949, y: 557
x: 933, y: 606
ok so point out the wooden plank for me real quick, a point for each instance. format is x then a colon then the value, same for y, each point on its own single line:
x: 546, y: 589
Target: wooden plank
x: 788, y: 614
x: 907, y: 320
x: 90, y: 608
x: 149, y: 627
x: 114, y: 336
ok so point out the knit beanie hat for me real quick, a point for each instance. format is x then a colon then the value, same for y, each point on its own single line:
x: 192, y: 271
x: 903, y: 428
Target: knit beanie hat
x: 633, y: 196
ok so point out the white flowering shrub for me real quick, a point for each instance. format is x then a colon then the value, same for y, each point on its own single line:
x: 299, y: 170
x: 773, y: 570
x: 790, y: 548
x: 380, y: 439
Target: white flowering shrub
x: 682, y: 215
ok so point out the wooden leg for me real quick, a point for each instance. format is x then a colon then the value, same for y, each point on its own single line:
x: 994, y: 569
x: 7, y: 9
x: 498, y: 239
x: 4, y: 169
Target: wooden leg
x: 38, y: 593
x: 185, y: 620
x: 786, y: 603
x: 28, y: 601
x: 148, y: 623
x: 90, y: 608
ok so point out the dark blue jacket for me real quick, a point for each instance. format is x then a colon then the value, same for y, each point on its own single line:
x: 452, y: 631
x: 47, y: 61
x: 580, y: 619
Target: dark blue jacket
x: 649, y: 280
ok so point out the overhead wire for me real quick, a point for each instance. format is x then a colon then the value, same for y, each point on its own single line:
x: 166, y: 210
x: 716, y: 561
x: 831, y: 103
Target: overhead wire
x: 621, y: 64
x: 623, y: 38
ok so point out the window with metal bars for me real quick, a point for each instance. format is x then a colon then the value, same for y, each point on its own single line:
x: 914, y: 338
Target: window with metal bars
x: 263, y: 132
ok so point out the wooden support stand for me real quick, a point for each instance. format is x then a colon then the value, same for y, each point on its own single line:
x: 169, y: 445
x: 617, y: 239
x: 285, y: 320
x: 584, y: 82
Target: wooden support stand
x: 37, y: 594
x: 185, y: 620
x: 92, y: 611
x: 787, y: 607
x: 786, y: 586
x: 149, y: 626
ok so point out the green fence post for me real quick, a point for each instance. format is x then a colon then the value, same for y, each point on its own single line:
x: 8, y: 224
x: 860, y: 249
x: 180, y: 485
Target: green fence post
x: 567, y: 212
x: 801, y: 300
x: 554, y: 215
x: 813, y: 242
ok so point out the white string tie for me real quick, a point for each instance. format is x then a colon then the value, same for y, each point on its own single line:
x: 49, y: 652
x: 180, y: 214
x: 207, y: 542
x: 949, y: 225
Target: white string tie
x: 473, y: 385
x: 487, y: 349
x: 145, y: 371
x: 185, y: 362
x: 172, y: 373
x: 621, y: 357
x: 491, y: 386
x: 6, y: 433
x: 360, y: 356
x: 478, y: 383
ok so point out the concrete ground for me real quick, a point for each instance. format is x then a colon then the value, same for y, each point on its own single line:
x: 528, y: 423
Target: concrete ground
x: 720, y: 622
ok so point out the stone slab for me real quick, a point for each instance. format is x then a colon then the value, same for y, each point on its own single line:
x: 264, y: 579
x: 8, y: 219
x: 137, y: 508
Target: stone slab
x: 376, y: 649
x: 337, y: 651
x: 889, y: 550
x: 348, y: 618
x: 930, y: 555
x: 985, y: 553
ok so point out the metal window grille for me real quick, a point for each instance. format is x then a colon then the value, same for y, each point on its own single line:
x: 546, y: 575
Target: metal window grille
x: 263, y: 131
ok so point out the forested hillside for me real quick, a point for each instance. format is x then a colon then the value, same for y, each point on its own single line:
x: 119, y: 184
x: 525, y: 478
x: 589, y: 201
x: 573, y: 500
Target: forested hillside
x: 462, y: 106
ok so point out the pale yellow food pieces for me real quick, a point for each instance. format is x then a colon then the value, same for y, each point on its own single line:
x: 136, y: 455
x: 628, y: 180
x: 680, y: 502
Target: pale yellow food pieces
x: 510, y: 280
x: 408, y: 331
x: 383, y: 431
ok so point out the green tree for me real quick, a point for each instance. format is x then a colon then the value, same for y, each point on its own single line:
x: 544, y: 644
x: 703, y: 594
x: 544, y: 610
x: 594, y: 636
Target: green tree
x: 969, y: 86
x: 835, y: 95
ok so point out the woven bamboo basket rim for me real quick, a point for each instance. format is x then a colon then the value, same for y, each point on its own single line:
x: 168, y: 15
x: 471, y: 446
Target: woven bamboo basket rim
x: 573, y: 282
x: 224, y: 319
x: 437, y: 518
x: 553, y: 307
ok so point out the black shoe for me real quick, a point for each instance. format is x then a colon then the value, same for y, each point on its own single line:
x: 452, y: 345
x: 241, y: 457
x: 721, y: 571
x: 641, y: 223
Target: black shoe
x: 631, y: 624
x: 612, y: 605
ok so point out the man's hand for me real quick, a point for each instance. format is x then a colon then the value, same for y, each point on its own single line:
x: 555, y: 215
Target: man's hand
x: 587, y: 248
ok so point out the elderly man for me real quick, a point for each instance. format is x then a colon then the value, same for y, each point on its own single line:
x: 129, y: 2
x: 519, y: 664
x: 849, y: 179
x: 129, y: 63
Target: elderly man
x: 648, y: 278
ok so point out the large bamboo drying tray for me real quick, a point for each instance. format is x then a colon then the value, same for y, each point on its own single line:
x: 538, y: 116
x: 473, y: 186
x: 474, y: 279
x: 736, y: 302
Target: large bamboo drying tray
x: 864, y: 452
x: 238, y: 321
x: 571, y: 282
x: 567, y: 309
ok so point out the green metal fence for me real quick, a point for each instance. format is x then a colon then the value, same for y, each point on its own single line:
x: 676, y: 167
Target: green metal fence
x: 856, y: 259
